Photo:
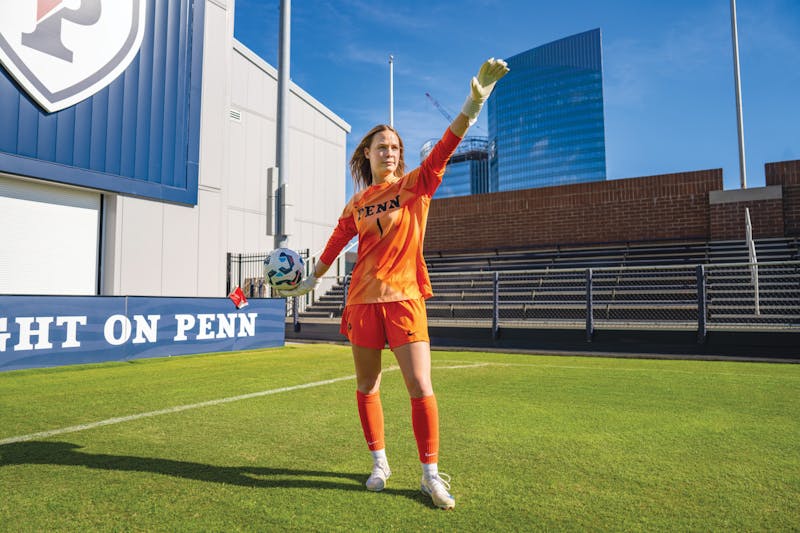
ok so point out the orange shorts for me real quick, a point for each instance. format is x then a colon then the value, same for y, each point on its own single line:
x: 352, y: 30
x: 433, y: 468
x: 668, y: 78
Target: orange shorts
x: 373, y: 325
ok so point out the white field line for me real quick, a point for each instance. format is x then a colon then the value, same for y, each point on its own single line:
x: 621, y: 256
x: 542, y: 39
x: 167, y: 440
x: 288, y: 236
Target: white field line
x: 179, y: 408
x: 699, y: 373
x: 170, y: 410
x: 453, y: 367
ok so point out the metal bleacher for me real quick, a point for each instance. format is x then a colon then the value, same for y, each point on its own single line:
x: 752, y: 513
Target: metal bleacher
x: 652, y: 283
x: 611, y: 255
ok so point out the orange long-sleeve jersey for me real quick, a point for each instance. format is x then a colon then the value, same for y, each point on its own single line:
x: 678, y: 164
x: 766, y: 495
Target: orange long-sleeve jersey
x: 390, y: 219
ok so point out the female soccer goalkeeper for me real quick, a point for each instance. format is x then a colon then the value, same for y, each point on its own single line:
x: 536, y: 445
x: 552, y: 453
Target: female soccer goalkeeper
x: 389, y: 284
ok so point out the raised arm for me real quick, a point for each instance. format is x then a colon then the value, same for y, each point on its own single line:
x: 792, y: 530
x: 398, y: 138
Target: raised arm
x: 480, y: 88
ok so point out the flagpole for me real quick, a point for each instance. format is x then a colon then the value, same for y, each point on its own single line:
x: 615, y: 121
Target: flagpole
x: 738, y: 84
x: 391, y: 90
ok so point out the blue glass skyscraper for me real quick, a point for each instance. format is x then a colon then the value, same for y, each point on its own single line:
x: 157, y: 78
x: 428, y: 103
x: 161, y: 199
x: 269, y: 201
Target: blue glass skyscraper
x: 467, y: 171
x: 546, y: 123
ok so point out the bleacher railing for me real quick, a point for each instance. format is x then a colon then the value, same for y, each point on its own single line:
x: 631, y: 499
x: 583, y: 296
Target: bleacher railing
x: 686, y: 297
x: 752, y: 257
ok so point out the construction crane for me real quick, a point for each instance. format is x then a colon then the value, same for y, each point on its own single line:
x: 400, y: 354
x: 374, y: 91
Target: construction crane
x: 438, y: 106
x: 443, y: 111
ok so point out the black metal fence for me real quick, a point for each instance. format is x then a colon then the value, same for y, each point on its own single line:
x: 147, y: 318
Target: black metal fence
x: 728, y: 296
x: 724, y: 296
x: 247, y: 271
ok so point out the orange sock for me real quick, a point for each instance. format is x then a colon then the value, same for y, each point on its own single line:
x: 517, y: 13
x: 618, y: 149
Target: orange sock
x: 371, y: 413
x: 425, y: 420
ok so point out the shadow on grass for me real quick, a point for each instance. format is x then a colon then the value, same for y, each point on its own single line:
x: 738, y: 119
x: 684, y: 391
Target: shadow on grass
x: 68, y: 454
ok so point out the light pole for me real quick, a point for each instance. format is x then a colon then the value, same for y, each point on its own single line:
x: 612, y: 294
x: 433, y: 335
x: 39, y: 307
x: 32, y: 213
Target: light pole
x: 738, y: 84
x: 282, y: 137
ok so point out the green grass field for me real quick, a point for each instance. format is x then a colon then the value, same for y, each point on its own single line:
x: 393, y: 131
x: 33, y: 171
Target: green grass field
x: 533, y: 443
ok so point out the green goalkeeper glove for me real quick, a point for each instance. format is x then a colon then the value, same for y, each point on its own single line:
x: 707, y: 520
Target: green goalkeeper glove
x: 481, y: 87
x: 304, y: 287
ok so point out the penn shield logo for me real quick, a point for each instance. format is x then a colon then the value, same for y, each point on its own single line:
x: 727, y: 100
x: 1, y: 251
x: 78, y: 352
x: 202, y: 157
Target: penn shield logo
x: 63, y: 51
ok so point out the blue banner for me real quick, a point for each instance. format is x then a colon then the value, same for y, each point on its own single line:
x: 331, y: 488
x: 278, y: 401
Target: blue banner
x: 42, y: 331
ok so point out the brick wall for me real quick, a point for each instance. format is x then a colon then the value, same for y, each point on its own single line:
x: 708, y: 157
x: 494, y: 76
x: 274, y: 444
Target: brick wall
x: 669, y: 206
x: 787, y: 174
x: 727, y: 220
x: 783, y: 173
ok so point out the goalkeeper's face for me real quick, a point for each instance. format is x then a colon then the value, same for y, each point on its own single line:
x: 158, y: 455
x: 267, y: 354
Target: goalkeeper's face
x: 384, y: 154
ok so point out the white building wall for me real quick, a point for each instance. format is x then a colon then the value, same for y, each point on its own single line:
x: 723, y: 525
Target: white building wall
x: 156, y: 248
x: 317, y: 159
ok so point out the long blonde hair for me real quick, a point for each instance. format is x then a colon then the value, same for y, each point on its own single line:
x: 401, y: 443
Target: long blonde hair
x: 359, y: 164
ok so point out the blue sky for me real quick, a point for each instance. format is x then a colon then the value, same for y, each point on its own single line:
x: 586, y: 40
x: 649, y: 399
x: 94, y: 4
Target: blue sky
x: 667, y: 80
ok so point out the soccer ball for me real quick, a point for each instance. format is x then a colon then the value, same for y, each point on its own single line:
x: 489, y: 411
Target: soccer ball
x: 283, y: 268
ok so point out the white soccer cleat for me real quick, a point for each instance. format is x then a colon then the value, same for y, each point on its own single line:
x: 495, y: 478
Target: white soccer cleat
x: 380, y: 473
x: 439, y: 490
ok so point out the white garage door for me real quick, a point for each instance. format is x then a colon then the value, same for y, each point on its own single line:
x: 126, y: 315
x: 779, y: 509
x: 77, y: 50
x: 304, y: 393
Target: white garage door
x: 49, y: 238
